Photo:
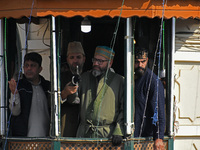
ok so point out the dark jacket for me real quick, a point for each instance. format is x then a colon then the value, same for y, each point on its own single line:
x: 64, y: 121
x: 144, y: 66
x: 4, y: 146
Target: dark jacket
x: 141, y: 90
x: 19, y: 124
x: 69, y: 112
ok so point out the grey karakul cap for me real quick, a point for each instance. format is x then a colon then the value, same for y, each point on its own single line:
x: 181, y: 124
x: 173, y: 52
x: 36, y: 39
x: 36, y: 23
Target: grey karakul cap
x: 75, y: 47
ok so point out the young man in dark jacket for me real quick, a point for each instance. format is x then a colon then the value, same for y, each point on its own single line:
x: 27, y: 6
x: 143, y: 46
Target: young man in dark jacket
x: 29, y: 103
x: 149, y: 101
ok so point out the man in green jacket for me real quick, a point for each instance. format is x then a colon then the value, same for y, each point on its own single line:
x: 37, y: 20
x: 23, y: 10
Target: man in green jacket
x: 101, y: 93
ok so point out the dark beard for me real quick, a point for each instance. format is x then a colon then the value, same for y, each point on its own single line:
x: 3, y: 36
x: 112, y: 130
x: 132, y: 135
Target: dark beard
x: 139, y: 72
x: 74, y: 69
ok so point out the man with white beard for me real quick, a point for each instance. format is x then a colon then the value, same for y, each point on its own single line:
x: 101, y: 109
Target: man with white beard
x: 101, y: 93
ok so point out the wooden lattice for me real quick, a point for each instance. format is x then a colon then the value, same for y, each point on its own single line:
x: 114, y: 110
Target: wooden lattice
x: 29, y: 145
x: 90, y: 146
x: 146, y: 145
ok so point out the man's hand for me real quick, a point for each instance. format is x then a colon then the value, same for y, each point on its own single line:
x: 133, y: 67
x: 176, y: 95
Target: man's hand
x: 13, y: 86
x: 116, y: 140
x: 159, y: 145
x: 68, y: 90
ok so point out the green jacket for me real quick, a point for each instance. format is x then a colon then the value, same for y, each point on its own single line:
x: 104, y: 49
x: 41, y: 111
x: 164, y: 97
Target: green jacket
x: 101, y: 114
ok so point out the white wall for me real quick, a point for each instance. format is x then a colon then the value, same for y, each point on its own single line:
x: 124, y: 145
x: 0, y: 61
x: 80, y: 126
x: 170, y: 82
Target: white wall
x: 36, y: 42
x: 187, y: 85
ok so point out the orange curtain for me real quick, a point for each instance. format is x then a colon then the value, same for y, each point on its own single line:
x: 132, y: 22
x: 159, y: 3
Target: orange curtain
x: 100, y: 8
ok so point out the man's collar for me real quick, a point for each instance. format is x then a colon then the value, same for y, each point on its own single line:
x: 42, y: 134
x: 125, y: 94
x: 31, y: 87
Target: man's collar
x: 37, y: 83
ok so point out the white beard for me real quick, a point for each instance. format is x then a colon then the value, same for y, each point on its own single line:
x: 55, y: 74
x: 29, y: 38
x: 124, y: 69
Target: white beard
x: 96, y: 73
